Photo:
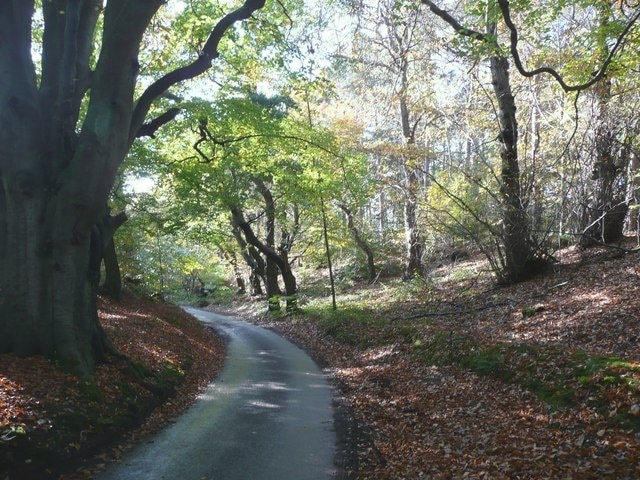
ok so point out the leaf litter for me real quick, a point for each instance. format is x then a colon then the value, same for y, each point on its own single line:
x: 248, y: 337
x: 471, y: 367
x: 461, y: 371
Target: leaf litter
x: 54, y: 425
x: 460, y: 380
x: 535, y: 380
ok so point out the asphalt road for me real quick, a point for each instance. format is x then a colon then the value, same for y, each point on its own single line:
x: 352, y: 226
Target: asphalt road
x: 268, y: 416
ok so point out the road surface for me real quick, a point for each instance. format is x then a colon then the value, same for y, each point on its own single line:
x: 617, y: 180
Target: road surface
x: 268, y: 416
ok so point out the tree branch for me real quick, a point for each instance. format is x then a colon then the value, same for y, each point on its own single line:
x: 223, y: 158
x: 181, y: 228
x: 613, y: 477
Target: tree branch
x: 195, y: 68
x: 88, y: 19
x: 506, y: 15
x: 452, y: 312
x: 447, y: 17
x: 149, y: 129
x: 228, y: 141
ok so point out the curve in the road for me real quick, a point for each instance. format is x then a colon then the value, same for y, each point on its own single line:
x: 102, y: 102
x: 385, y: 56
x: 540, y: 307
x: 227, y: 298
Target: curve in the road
x: 268, y: 416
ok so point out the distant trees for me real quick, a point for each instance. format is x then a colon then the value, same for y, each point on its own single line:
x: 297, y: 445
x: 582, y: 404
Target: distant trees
x: 559, y: 164
x: 460, y: 147
x: 251, y: 167
x: 394, y: 69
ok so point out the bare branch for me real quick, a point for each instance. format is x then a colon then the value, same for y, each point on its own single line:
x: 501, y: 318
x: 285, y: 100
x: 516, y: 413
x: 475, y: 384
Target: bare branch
x: 506, y: 15
x: 195, y: 68
x: 457, y: 26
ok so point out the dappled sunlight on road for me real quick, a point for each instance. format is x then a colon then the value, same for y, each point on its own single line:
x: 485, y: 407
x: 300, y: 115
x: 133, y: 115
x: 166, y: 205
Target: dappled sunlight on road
x: 263, y: 404
x: 266, y: 416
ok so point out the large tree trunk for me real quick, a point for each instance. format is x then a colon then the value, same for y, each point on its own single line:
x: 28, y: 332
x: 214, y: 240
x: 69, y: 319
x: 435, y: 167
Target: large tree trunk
x: 516, y: 256
x: 603, y: 217
x: 64, y: 131
x: 517, y: 249
x: 48, y: 284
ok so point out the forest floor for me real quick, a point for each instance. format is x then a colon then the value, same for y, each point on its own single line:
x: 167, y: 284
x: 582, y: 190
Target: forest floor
x: 56, y: 426
x: 450, y: 377
x: 454, y: 377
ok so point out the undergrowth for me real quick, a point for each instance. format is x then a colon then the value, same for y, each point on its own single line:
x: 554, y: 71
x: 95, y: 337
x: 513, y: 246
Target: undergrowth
x: 560, y: 378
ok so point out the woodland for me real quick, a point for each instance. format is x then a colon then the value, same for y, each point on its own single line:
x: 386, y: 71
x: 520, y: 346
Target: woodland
x: 437, y: 199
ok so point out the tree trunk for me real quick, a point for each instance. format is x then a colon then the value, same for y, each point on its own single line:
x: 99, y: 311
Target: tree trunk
x: 604, y: 216
x: 413, y: 240
x: 107, y: 228
x: 327, y: 249
x: 517, y: 250
x: 112, y: 276
x: 48, y: 283
x: 253, y: 259
x: 271, y: 271
x: 281, y: 261
x: 632, y: 193
x: 240, y: 284
x: 64, y: 131
x: 361, y: 243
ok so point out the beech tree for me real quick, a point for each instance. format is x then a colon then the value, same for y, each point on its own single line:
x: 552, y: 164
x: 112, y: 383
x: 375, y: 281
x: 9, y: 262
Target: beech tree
x: 69, y: 112
x: 517, y: 249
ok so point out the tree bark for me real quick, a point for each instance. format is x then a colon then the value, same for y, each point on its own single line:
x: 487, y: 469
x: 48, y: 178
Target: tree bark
x: 112, y: 276
x: 361, y: 243
x: 517, y: 250
x: 107, y: 228
x: 604, y: 215
x: 271, y: 271
x: 288, y: 277
x: 413, y: 238
x: 237, y: 273
x: 254, y: 260
x: 49, y: 275
x: 632, y: 193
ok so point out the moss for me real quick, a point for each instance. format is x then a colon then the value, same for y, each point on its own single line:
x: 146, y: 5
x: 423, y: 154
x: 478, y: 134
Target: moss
x: 560, y: 379
x: 92, y: 392
x: 447, y: 348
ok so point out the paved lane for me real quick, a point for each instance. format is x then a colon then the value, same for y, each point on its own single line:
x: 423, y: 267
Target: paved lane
x: 267, y: 417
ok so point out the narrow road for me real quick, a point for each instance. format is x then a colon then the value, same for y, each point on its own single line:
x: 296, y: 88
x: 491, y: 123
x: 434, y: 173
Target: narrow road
x: 268, y: 416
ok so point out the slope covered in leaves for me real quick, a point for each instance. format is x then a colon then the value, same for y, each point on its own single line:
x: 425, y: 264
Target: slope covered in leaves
x: 455, y: 378
x: 53, y: 423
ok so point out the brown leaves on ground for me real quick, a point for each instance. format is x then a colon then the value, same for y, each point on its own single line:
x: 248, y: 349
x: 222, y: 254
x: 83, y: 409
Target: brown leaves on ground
x: 459, y: 380
x: 536, y: 380
x: 52, y: 422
